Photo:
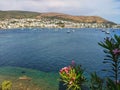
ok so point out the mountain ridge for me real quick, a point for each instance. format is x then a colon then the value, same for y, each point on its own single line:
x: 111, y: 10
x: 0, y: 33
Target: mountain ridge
x: 53, y: 15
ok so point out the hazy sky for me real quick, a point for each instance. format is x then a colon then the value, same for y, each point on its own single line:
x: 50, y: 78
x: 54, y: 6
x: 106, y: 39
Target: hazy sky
x: 108, y: 9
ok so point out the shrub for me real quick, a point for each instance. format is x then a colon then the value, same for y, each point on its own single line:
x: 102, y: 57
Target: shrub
x: 96, y: 83
x: 111, y: 85
x: 112, y: 51
x: 6, y: 85
x: 73, y: 77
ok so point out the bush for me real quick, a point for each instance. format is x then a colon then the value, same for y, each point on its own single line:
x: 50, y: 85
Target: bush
x: 96, y: 83
x: 6, y: 85
x: 112, y: 50
x: 73, y: 77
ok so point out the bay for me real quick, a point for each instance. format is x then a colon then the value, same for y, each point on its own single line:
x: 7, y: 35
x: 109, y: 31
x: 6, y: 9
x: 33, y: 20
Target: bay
x: 49, y: 50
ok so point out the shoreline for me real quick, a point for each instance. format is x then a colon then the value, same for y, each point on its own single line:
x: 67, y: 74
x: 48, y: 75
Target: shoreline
x: 39, y: 80
x: 35, y: 28
x: 51, y: 23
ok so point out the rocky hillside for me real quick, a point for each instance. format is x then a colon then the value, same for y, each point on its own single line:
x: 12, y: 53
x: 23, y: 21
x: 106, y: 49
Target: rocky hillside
x: 26, y: 14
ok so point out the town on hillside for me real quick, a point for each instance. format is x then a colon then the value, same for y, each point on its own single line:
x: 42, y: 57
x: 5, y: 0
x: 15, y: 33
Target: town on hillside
x: 51, y: 20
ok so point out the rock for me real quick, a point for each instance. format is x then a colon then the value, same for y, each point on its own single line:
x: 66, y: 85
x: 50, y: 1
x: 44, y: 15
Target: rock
x: 24, y: 78
x: 23, y: 72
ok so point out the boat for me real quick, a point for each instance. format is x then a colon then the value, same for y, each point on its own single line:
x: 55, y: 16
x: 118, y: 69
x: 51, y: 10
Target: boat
x: 103, y: 30
x: 107, y: 32
x: 73, y: 30
x: 68, y: 31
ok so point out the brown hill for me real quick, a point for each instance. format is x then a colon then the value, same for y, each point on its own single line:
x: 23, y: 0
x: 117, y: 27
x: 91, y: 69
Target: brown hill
x: 27, y: 14
x: 84, y: 19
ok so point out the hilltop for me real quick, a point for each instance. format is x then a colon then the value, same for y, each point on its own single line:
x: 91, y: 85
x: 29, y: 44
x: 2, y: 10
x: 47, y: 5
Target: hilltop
x: 52, y: 15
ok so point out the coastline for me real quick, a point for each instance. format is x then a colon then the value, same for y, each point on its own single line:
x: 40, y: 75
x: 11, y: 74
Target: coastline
x: 39, y: 80
x: 49, y: 23
x: 34, y: 28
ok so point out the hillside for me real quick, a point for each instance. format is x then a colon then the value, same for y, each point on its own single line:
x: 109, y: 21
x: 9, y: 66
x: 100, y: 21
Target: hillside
x: 84, y: 19
x: 27, y: 14
x: 17, y: 14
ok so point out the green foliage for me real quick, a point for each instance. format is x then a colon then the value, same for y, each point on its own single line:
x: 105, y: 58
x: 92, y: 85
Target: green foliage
x: 96, y: 83
x: 111, y: 85
x: 61, y: 24
x: 73, y: 77
x: 6, y: 85
x: 112, y: 58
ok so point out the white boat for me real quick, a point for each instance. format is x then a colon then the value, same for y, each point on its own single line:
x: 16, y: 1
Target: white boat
x: 73, y: 30
x: 107, y: 32
x: 103, y: 30
x: 68, y: 31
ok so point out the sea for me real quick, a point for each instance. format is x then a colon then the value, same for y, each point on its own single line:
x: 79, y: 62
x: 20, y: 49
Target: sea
x: 46, y: 51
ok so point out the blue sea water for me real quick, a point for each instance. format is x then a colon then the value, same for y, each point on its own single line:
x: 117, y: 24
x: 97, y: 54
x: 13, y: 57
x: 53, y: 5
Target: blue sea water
x: 49, y: 50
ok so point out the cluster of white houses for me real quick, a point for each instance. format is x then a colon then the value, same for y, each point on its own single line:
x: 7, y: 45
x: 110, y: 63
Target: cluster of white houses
x: 48, y: 23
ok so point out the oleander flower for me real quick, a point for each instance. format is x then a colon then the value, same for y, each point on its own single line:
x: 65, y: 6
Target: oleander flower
x: 116, y: 51
x: 73, y: 63
x: 72, y: 76
x: 65, y: 70
x: 70, y: 82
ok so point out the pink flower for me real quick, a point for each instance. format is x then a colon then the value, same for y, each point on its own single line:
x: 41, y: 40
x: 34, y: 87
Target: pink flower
x: 118, y: 81
x: 65, y: 69
x: 61, y: 71
x: 73, y: 62
x: 70, y: 82
x: 116, y: 51
x: 73, y: 78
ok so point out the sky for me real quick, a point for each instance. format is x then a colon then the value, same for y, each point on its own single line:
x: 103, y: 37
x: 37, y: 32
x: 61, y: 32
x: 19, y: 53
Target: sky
x: 108, y: 9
